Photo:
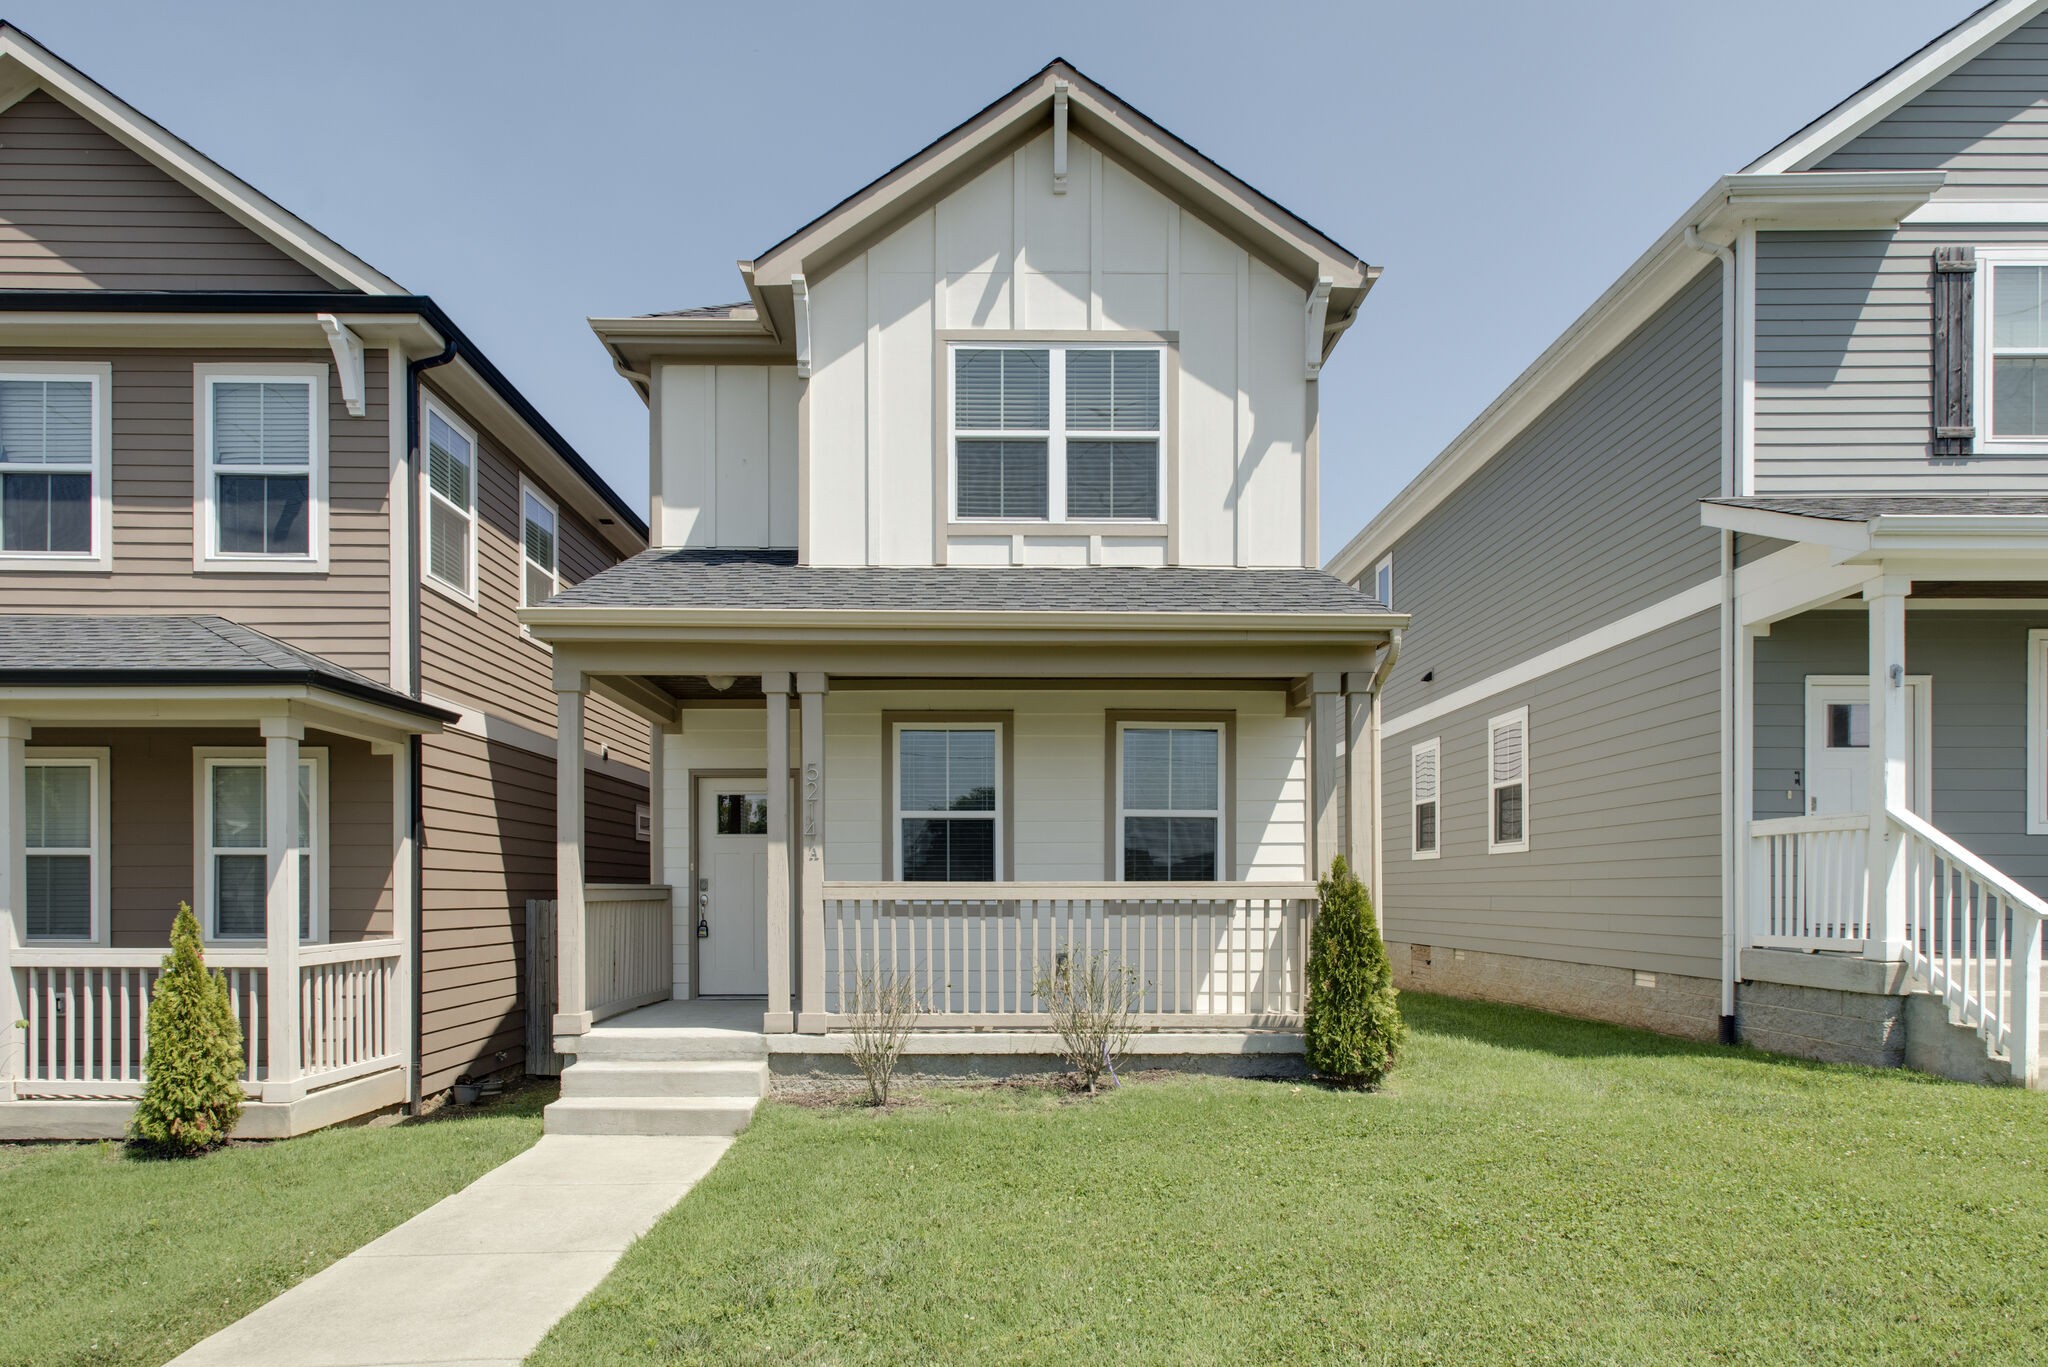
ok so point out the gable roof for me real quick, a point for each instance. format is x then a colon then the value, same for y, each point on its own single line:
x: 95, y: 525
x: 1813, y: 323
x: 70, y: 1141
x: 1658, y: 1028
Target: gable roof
x: 26, y: 65
x: 1276, y: 234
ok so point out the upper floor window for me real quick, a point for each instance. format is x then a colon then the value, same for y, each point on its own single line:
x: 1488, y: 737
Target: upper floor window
x: 539, y: 546
x: 451, y: 504
x: 262, y: 466
x: 53, y: 467
x: 2019, y: 352
x: 1058, y: 433
x: 1383, y: 581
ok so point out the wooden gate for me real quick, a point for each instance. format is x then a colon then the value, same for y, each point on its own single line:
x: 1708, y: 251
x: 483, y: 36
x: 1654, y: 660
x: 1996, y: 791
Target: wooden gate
x: 541, y: 1058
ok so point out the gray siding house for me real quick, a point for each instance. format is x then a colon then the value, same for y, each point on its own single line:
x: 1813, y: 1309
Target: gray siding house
x: 1724, y: 705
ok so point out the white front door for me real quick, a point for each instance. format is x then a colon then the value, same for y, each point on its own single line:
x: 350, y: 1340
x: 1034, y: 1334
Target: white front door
x: 1838, y: 745
x: 732, y: 886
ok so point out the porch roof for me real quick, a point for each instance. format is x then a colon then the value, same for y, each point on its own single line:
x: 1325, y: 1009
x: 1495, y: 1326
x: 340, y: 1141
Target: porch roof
x: 66, y: 651
x: 1870, y: 507
x: 773, y: 581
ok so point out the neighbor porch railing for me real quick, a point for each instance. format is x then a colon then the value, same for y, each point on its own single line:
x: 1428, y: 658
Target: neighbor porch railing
x: 1808, y: 880
x: 1205, y: 954
x: 86, y: 1015
x: 1973, y: 938
x: 629, y: 939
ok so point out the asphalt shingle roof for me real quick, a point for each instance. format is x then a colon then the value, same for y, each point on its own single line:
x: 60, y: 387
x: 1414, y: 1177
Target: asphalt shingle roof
x: 37, y: 649
x: 771, y: 580
x: 1863, y: 508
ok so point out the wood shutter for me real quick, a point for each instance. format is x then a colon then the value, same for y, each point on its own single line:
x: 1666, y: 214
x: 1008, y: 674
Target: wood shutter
x: 1955, y: 286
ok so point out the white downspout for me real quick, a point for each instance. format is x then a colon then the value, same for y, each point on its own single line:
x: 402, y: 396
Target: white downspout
x: 1731, y: 419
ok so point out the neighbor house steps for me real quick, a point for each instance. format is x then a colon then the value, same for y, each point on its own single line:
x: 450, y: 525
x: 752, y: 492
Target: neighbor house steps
x: 673, y: 1081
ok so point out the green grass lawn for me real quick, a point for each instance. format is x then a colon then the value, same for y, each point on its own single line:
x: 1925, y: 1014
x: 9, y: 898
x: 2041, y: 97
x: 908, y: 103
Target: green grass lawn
x: 107, y: 1258
x: 1531, y: 1189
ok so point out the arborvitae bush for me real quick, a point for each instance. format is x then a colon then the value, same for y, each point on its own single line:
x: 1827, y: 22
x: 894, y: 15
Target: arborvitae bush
x: 1354, y: 1027
x: 192, y: 1093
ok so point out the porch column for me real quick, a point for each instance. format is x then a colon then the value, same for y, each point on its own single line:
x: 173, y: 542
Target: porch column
x: 811, y: 689
x: 572, y: 1009
x: 404, y: 911
x: 281, y: 737
x: 1886, y: 597
x: 1361, y: 775
x: 13, y: 892
x: 777, y: 1019
x: 1326, y: 769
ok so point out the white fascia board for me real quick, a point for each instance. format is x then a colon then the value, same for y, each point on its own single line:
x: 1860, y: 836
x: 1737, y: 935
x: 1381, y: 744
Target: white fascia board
x: 407, y: 331
x: 1835, y: 533
x: 556, y: 623
x: 1957, y: 537
x: 197, y: 172
x: 1882, y: 97
x: 1836, y: 199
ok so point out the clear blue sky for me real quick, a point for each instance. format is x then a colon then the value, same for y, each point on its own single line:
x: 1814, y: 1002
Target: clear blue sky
x: 529, y: 166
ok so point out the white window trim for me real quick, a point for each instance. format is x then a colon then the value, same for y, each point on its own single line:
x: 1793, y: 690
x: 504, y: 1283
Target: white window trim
x: 429, y: 406
x: 1384, y: 567
x: 101, y: 557
x: 1983, y: 362
x: 205, y: 558
x: 899, y: 815
x: 527, y: 488
x: 98, y: 763
x: 1435, y: 746
x: 204, y: 759
x: 2037, y: 732
x: 1494, y: 785
x: 1055, y: 436
x: 1217, y: 812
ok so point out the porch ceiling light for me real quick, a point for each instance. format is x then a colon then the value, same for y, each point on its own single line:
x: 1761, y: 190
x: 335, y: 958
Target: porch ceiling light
x: 720, y: 682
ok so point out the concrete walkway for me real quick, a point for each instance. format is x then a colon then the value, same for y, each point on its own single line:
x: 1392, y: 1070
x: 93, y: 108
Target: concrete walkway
x: 478, y: 1279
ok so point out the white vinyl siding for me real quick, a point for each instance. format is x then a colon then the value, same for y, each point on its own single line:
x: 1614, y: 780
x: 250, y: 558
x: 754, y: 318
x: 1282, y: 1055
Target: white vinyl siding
x: 234, y: 874
x: 1425, y: 788
x: 65, y: 835
x: 948, y: 819
x: 540, y: 551
x: 262, y: 455
x: 450, y: 505
x: 1058, y: 433
x: 53, y: 468
x: 1169, y: 802
x: 1507, y: 781
x: 2037, y: 732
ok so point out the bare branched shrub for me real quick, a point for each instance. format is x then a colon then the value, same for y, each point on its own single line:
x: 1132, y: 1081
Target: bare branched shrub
x: 885, y: 1007
x: 1092, y: 997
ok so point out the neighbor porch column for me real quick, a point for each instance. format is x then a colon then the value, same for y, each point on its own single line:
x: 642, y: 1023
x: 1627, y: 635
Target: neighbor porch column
x: 810, y: 688
x: 13, y: 892
x: 1886, y: 597
x: 404, y: 909
x: 778, y: 1019
x: 572, y: 1008
x: 281, y: 737
x: 1326, y: 769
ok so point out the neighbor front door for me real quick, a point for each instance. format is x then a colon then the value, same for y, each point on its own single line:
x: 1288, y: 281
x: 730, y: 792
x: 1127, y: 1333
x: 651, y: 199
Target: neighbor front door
x: 1838, y: 745
x: 732, y: 883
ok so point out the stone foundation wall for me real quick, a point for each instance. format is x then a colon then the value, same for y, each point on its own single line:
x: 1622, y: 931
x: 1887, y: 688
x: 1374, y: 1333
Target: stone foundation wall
x: 1671, y: 1004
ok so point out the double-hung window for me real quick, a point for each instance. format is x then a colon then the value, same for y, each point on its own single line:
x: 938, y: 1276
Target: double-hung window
x: 948, y: 814
x: 1170, y: 802
x: 540, y: 550
x: 451, y: 504
x: 1058, y: 433
x: 53, y: 467
x: 235, y: 833
x: 262, y: 455
x: 1383, y: 581
x: 2019, y: 352
x: 1425, y: 798
x: 65, y: 813
x: 1507, y: 770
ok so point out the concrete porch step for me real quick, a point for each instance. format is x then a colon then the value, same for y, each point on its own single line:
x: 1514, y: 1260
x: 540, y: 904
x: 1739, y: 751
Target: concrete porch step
x: 676, y: 1045
x: 669, y: 1115
x: 593, y: 1077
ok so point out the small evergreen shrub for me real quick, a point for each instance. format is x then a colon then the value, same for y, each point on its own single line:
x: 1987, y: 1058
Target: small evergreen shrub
x: 1354, y: 1028
x: 192, y: 1089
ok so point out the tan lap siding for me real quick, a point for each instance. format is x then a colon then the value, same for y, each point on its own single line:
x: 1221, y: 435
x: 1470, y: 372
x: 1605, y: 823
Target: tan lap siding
x: 611, y: 852
x: 343, y: 614
x: 78, y: 210
x: 154, y: 826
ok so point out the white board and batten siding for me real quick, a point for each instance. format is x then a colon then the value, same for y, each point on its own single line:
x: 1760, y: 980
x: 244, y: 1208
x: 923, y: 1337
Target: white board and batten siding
x: 1059, y: 793
x: 1004, y: 255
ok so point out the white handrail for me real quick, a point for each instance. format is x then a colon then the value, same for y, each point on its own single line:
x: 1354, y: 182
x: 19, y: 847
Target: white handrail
x: 1101, y: 892
x: 2001, y: 884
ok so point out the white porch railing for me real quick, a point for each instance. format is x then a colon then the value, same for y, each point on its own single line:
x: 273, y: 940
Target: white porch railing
x: 1973, y: 937
x: 1809, y: 877
x: 86, y: 1014
x: 1205, y: 954
x: 628, y: 947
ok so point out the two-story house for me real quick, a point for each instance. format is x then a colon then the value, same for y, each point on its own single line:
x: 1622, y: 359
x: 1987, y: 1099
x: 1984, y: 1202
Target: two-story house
x: 1725, y: 708
x: 266, y: 521
x: 984, y: 607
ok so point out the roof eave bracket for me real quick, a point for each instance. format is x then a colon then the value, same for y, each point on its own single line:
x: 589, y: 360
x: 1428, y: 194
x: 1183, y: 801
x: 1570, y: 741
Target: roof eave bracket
x: 1317, y: 314
x: 1059, y: 137
x: 800, y: 298
x: 348, y: 359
